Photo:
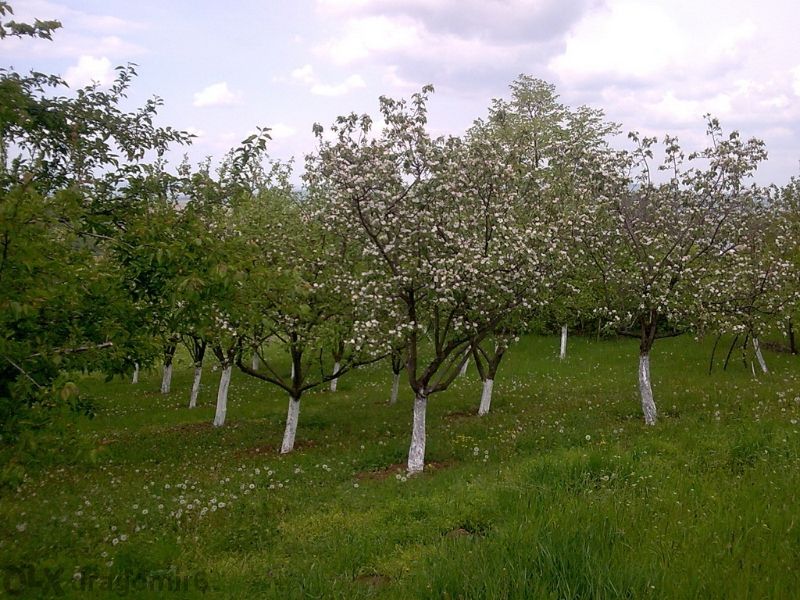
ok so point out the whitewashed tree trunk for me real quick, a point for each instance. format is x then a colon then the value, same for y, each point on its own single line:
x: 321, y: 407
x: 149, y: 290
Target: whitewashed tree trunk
x: 646, y: 390
x: 135, y: 373
x: 166, y: 379
x: 292, y: 371
x: 563, y: 354
x: 759, y: 356
x: 463, y: 370
x: 486, y: 397
x: 198, y: 373
x: 335, y: 380
x: 222, y: 396
x: 256, y: 362
x: 395, y: 388
x: 416, y: 453
x: 291, y: 425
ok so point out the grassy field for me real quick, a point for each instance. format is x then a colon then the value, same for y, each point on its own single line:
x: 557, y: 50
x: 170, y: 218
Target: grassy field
x: 560, y: 492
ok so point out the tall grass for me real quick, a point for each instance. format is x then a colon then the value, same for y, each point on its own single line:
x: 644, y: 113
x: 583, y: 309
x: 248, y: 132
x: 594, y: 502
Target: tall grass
x: 560, y: 492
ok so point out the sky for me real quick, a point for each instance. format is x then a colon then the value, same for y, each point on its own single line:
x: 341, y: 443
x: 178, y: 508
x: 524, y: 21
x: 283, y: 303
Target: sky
x: 222, y: 69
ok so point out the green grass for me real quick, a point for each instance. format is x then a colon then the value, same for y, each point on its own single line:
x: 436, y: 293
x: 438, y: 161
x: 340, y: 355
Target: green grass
x: 560, y: 492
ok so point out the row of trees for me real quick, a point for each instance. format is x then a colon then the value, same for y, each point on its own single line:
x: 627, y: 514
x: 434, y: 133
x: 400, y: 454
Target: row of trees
x: 427, y: 252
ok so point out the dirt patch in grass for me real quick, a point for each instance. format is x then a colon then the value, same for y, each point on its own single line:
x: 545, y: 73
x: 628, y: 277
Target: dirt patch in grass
x: 373, y: 580
x: 458, y: 533
x: 776, y: 347
x: 399, y: 469
x: 461, y: 414
x: 381, y: 474
x: 274, y: 449
x: 190, y: 427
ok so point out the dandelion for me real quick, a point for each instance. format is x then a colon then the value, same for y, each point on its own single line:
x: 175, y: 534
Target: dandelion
x: 588, y: 437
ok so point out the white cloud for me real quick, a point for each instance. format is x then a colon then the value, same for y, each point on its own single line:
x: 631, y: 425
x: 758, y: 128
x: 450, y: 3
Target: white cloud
x: 89, y: 70
x: 365, y: 36
x: 456, y: 45
x: 281, y: 131
x: 378, y: 37
x: 72, y: 44
x: 83, y: 33
x: 216, y: 94
x: 502, y: 21
x: 340, y: 89
x: 646, y: 43
x: 611, y: 43
x: 306, y: 76
x: 392, y: 77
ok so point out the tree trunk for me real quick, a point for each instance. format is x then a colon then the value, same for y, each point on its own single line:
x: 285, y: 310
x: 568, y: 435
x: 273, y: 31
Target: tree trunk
x: 759, y: 356
x: 198, y: 372
x: 790, y: 334
x: 291, y: 425
x: 166, y: 378
x: 256, y: 362
x: 395, y: 388
x: 730, y: 351
x: 563, y: 354
x: 416, y: 453
x: 222, y: 396
x: 135, y: 373
x: 646, y: 390
x: 335, y: 380
x: 486, y: 397
x: 463, y: 370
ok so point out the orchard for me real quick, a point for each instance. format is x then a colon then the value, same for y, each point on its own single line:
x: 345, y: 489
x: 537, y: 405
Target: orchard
x: 412, y: 291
